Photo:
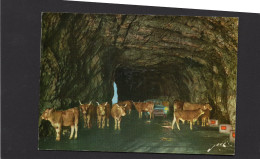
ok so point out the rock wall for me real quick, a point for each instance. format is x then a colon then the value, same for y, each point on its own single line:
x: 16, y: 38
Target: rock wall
x: 187, y: 58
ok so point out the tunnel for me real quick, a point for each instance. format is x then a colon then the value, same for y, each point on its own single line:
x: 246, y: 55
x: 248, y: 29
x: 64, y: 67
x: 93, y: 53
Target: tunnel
x: 187, y: 58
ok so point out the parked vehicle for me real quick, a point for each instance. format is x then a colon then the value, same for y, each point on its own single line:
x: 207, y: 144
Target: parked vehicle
x: 159, y: 108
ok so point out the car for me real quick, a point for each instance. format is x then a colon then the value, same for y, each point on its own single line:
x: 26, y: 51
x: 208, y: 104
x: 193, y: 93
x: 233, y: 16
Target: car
x: 159, y: 108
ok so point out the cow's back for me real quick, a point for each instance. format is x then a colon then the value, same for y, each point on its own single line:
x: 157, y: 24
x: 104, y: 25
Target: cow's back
x: 191, y: 106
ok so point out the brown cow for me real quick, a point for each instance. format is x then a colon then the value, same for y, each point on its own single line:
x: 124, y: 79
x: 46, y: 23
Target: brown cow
x: 189, y: 115
x: 117, y: 112
x: 103, y: 113
x: 59, y: 118
x: 144, y: 107
x: 193, y: 106
x: 89, y: 113
x: 128, y: 104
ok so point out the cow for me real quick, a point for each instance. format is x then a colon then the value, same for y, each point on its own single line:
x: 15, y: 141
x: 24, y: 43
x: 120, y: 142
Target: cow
x: 188, y: 115
x: 103, y: 113
x: 117, y: 112
x: 128, y: 104
x: 144, y: 107
x: 60, y: 118
x: 193, y: 106
x: 89, y: 113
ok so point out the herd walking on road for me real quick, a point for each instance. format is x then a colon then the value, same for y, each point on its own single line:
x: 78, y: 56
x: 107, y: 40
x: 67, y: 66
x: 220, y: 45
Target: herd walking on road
x: 184, y: 111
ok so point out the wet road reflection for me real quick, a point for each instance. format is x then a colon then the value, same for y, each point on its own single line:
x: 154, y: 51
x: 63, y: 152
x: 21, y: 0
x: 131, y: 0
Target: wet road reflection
x: 144, y: 135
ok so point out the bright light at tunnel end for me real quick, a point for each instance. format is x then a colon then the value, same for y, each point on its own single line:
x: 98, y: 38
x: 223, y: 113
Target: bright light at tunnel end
x: 115, y: 97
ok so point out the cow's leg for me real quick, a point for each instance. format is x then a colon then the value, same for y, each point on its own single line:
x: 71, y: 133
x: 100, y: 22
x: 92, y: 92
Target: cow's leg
x: 173, y: 122
x: 103, y: 122
x: 107, y: 122
x: 72, y: 127
x: 198, y: 122
x: 141, y: 115
x: 150, y: 115
x: 129, y: 112
x: 119, y: 121
x: 99, y: 121
x: 76, y: 131
x: 207, y: 123
x: 191, y: 125
x: 58, y: 130
x: 183, y: 121
x: 177, y: 122
x: 115, y: 124
x: 88, y: 120
x: 85, y: 120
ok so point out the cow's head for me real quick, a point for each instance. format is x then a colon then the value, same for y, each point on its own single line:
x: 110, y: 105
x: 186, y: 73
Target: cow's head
x: 47, y: 113
x: 121, y: 109
x: 84, y: 107
x: 102, y: 108
x: 208, y: 107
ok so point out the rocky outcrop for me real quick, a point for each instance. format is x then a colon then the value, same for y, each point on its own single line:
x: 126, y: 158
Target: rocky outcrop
x: 186, y: 58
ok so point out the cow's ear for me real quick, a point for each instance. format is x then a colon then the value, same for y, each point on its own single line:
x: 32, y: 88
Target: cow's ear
x: 106, y: 103
x: 117, y: 105
x: 50, y: 110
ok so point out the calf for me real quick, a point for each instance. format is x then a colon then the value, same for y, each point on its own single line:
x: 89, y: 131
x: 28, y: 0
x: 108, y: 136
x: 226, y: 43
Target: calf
x: 103, y: 113
x: 117, y: 112
x: 193, y: 106
x: 59, y: 118
x: 144, y: 107
x: 205, y: 117
x: 128, y: 104
x: 89, y: 113
x: 188, y: 115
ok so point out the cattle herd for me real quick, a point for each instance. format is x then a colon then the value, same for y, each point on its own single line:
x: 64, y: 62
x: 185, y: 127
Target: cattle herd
x: 183, y: 111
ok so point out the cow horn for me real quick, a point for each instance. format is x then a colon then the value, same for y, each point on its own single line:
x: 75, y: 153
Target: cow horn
x: 117, y: 105
x: 80, y: 102
x: 125, y: 105
x: 90, y: 102
x: 106, y: 103
x: 97, y: 103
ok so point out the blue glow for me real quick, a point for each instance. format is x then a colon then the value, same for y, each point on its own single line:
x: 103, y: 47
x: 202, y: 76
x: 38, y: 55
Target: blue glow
x: 115, y: 98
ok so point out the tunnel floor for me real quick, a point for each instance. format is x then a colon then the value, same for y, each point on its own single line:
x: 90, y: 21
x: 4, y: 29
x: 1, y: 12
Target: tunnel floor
x: 144, y: 135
